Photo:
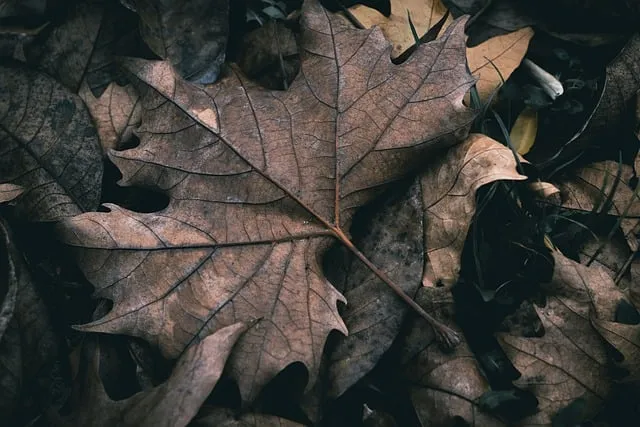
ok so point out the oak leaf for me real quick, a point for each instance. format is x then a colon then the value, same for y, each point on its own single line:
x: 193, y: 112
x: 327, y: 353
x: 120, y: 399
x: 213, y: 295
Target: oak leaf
x: 260, y: 184
x: 48, y: 145
x: 173, y: 403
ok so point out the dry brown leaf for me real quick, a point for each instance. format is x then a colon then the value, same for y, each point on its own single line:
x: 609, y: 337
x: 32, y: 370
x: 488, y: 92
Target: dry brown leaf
x: 260, y: 185
x: 49, y: 146
x: 9, y: 192
x: 504, y: 52
x: 449, y: 199
x: 570, y: 361
x: 546, y: 191
x: 593, y: 184
x: 625, y: 339
x: 493, y: 61
x: 116, y: 113
x: 172, y: 404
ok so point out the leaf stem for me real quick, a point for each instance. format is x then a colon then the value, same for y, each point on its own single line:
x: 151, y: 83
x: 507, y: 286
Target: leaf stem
x: 444, y: 334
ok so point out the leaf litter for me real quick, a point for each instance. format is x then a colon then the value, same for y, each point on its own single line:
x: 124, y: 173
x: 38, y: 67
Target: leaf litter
x: 483, y: 285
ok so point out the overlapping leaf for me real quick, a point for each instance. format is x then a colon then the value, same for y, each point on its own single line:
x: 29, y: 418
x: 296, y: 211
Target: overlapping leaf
x: 173, y: 403
x: 259, y: 183
x: 48, y: 145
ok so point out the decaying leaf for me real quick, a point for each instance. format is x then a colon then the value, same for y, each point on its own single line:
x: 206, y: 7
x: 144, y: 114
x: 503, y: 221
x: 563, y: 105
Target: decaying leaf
x: 569, y: 363
x: 9, y: 192
x: 28, y: 346
x: 116, y: 113
x: 490, y: 62
x: 83, y: 47
x: 221, y: 417
x: 173, y: 403
x: 592, y: 185
x: 394, y: 242
x: 625, y: 339
x: 259, y: 186
x: 191, y: 36
x: 448, y: 190
x: 444, y: 386
x: 49, y: 146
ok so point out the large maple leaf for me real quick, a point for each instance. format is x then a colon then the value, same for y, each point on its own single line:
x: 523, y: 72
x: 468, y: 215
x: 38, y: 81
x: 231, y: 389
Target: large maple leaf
x: 260, y: 184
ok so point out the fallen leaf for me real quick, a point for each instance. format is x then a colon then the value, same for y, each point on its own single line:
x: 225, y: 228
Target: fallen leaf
x: 83, y: 46
x: 173, y: 403
x: 394, y: 242
x: 493, y: 61
x: 490, y: 62
x: 262, y: 183
x: 593, y: 184
x: 191, y: 36
x: 116, y: 113
x: 444, y: 386
x: 221, y: 417
x: 28, y: 346
x: 9, y: 192
x: 625, y: 339
x: 570, y: 361
x: 49, y: 146
x: 523, y: 132
x: 449, y: 199
x: 546, y: 191
x: 424, y: 15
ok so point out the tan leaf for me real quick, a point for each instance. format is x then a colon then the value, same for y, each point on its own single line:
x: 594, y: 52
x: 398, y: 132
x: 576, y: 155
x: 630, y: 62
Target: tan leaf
x: 49, y: 146
x: 592, y: 185
x: 8, y: 192
x: 116, y: 113
x: 260, y: 184
x: 449, y: 198
x: 504, y: 52
x: 424, y: 15
x: 546, y: 191
x: 172, y: 404
x: 494, y: 60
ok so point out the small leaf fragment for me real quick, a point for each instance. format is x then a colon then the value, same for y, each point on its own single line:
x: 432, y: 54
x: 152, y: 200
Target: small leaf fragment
x: 524, y: 130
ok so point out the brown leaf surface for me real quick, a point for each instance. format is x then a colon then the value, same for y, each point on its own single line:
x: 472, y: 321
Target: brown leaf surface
x: 444, y: 385
x: 9, y: 192
x: 49, y: 146
x: 28, y: 345
x: 192, y: 36
x: 221, y: 417
x: 258, y: 185
x: 504, y: 52
x: 449, y: 199
x: 173, y: 403
x: 116, y: 113
x: 593, y: 184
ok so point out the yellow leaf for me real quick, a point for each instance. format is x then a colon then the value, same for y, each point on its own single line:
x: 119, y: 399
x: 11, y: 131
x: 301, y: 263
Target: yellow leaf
x: 502, y: 52
x: 523, y: 133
